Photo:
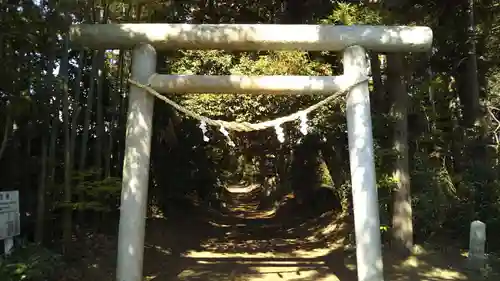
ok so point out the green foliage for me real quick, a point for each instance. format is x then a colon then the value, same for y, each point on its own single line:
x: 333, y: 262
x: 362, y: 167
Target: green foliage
x: 30, y: 263
x: 326, y: 177
x: 247, y: 107
x: 101, y: 195
x: 349, y: 14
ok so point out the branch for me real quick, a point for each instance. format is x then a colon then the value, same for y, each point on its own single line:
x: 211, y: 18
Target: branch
x: 498, y: 125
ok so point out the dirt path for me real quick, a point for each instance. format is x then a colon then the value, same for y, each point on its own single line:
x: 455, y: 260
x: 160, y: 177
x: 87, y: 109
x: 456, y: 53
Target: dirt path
x: 287, y: 245
x: 192, y: 249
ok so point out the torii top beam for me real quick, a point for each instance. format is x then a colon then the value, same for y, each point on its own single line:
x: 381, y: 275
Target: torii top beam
x: 252, y: 37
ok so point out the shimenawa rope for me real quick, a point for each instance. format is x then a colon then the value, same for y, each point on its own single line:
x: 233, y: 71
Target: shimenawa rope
x: 246, y: 126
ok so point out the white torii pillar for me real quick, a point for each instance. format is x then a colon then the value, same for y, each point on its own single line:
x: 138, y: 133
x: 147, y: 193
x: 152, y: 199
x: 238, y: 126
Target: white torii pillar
x: 134, y: 196
x: 362, y: 164
x: 350, y: 39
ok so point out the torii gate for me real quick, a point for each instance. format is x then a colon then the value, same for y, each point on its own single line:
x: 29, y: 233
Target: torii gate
x: 350, y: 39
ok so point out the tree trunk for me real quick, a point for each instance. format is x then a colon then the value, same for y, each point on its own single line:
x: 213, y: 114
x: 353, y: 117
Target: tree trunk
x: 76, y: 112
x: 122, y: 119
x: 82, y: 161
x: 478, y: 138
x: 68, y: 208
x: 53, y: 127
x: 100, y: 117
x: 402, y: 227
x: 40, y: 213
x: 44, y: 161
x: 6, y: 132
x: 378, y: 86
x: 114, y: 126
x: 88, y: 115
x: 109, y: 148
x: 100, y: 130
x: 474, y: 116
x: 51, y: 161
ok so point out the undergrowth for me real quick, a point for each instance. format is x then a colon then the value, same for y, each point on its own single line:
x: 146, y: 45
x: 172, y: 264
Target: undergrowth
x: 30, y: 262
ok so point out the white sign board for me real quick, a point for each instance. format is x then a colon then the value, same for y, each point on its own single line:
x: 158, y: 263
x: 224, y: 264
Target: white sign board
x: 9, y: 214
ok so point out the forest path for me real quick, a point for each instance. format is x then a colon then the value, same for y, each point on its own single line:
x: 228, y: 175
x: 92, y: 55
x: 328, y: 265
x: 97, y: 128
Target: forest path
x: 290, y: 244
